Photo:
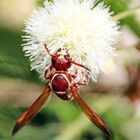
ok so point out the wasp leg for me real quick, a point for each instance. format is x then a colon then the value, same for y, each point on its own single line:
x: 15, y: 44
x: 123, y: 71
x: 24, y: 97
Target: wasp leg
x: 48, y: 73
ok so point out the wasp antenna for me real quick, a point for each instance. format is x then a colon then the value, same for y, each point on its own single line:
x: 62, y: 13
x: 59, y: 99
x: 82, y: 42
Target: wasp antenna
x: 77, y: 63
x: 48, y: 50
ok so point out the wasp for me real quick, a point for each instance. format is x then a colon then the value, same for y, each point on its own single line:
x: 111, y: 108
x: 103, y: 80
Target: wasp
x: 62, y: 83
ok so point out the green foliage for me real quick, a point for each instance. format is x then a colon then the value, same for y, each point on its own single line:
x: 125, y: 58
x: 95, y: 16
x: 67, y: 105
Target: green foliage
x: 41, y: 2
x: 13, y: 63
x: 60, y: 118
x: 119, y: 6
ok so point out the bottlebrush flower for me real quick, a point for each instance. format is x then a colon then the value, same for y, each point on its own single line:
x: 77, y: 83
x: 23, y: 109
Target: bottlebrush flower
x: 87, y: 30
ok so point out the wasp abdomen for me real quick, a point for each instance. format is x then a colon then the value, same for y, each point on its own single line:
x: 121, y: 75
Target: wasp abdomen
x: 59, y: 83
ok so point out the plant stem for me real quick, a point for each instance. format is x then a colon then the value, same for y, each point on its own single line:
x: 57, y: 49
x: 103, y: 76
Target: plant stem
x: 126, y: 13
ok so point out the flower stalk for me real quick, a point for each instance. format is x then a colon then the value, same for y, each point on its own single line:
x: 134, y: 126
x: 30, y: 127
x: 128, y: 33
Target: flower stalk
x: 127, y: 13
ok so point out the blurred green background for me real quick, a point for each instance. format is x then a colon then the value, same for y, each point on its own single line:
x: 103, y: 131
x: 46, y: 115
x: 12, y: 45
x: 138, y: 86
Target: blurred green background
x: 116, y: 97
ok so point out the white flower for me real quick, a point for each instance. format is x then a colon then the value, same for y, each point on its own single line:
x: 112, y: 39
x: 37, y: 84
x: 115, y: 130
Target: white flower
x: 87, y: 30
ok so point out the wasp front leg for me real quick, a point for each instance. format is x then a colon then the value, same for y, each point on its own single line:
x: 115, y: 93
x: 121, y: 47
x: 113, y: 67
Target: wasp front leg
x: 48, y: 73
x: 78, y: 83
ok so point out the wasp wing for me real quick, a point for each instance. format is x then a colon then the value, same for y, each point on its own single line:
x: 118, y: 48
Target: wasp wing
x: 93, y: 116
x: 28, y: 115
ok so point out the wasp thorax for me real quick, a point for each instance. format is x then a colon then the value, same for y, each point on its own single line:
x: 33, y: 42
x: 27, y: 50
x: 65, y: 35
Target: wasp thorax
x: 59, y: 62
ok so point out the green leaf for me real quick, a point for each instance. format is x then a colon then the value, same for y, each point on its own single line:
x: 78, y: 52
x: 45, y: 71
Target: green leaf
x: 119, y: 6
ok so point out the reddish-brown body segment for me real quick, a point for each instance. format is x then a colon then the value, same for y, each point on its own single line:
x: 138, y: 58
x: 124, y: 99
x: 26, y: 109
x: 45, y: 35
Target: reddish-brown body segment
x: 59, y: 84
x: 63, y: 85
x: 60, y: 63
x: 61, y: 81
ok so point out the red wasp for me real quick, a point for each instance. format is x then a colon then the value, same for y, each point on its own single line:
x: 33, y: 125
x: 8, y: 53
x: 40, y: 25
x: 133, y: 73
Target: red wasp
x: 63, y: 85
